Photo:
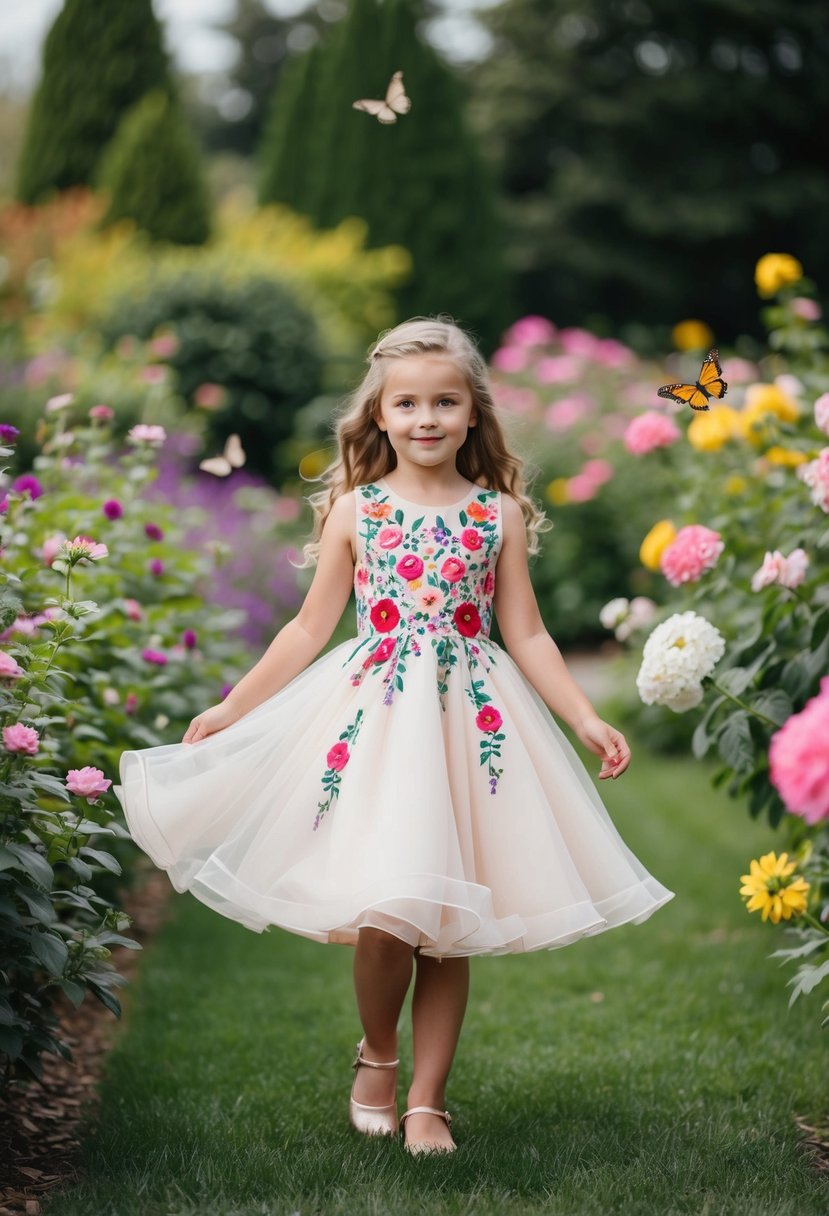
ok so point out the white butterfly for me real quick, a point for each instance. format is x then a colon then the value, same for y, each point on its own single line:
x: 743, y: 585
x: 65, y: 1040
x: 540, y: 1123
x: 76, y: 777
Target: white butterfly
x: 396, y: 102
x: 232, y: 458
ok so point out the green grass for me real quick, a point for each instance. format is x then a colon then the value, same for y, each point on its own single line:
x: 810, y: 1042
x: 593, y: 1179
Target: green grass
x: 226, y: 1094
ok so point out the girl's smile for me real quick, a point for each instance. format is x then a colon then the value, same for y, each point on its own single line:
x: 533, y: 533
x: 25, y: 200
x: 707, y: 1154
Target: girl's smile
x: 426, y: 410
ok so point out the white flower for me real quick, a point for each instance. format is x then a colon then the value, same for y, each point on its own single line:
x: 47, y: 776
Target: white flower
x: 677, y: 656
x: 62, y: 402
x: 614, y: 612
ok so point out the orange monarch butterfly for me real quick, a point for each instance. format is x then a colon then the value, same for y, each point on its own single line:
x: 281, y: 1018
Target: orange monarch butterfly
x: 710, y: 384
x: 396, y: 102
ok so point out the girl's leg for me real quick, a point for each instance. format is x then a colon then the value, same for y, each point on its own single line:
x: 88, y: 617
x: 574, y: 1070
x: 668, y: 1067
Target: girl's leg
x: 382, y: 974
x: 438, y: 1007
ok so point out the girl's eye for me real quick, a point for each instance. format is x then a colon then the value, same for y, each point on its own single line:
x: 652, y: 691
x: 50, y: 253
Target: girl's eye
x: 443, y: 401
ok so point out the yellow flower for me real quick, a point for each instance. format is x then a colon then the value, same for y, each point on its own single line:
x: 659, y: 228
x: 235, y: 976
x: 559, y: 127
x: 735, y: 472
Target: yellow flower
x: 655, y: 543
x: 776, y: 270
x: 771, y: 890
x: 415, y: 583
x: 785, y: 456
x: 692, y: 335
x: 707, y: 432
x: 735, y: 484
x: 762, y: 400
x: 557, y: 491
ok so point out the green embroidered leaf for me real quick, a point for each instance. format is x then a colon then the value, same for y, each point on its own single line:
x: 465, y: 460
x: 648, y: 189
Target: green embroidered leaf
x: 463, y: 518
x: 417, y: 523
x: 441, y: 524
x: 398, y: 515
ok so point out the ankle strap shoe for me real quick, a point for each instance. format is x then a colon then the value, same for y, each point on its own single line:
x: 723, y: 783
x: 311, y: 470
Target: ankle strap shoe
x: 372, y: 1120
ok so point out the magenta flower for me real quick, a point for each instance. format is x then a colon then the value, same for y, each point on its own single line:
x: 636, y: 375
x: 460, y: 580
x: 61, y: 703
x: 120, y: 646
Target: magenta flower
x: 471, y: 538
x: 28, y: 482
x: 467, y: 620
x: 384, y: 615
x: 799, y: 759
x: 87, y: 782
x: 112, y: 509
x: 410, y: 566
x: 381, y: 652
x: 8, y: 433
x: 20, y: 739
x: 338, y: 757
x: 453, y: 569
x: 153, y: 531
x: 390, y: 537
x: 130, y: 703
x: 154, y: 656
x: 102, y: 413
x: 694, y: 550
x: 156, y: 566
x: 189, y: 638
x: 9, y: 667
x: 649, y: 431
x: 489, y: 719
x: 489, y: 583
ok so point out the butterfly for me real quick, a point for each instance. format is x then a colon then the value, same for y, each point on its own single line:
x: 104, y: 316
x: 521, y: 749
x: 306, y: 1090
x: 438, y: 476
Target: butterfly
x: 232, y: 458
x: 396, y: 102
x: 710, y: 384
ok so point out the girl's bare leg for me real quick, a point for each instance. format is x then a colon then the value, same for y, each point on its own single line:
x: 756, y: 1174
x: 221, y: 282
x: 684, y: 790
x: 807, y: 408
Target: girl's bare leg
x: 438, y: 1007
x: 382, y: 974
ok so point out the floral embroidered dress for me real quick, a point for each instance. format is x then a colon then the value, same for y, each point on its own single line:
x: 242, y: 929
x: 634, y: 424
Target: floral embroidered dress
x: 410, y: 779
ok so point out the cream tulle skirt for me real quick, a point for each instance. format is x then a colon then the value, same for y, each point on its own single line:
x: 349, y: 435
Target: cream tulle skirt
x: 415, y: 843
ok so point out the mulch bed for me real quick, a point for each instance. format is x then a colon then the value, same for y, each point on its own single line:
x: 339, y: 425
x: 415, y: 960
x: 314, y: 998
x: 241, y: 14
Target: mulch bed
x: 41, y: 1124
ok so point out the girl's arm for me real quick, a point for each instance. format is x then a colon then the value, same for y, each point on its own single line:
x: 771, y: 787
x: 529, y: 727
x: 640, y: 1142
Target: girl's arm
x: 535, y: 652
x: 301, y: 640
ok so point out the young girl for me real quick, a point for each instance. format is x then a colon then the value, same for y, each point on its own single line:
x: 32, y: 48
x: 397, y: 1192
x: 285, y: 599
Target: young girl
x: 409, y: 793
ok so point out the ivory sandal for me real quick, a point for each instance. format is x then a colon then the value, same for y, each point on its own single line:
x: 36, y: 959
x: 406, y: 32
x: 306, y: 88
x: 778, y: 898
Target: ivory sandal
x: 372, y: 1120
x: 425, y: 1148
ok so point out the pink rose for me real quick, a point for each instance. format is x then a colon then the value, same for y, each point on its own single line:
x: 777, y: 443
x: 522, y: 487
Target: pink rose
x: 489, y: 583
x: 410, y: 566
x: 694, y: 550
x: 453, y: 569
x: 787, y: 571
x: 650, y: 431
x: 530, y: 331
x: 381, y: 652
x: 471, y: 538
x: 822, y: 413
x: 10, y: 669
x: 815, y: 474
x: 22, y: 740
x: 87, y: 782
x: 489, y: 719
x: 338, y: 757
x: 390, y: 537
x: 799, y: 759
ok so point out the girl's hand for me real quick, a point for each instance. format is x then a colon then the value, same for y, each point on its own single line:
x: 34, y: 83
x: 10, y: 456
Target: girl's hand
x: 605, y: 741
x: 210, y: 722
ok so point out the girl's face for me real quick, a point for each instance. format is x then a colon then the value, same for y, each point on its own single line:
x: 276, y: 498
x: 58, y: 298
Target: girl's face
x: 426, y: 409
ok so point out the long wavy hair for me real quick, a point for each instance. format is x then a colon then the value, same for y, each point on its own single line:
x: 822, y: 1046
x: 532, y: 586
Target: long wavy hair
x: 365, y: 453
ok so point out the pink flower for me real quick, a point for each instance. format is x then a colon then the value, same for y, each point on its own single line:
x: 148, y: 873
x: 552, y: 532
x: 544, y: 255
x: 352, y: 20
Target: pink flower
x: 510, y: 359
x: 822, y: 413
x: 146, y: 433
x: 130, y: 703
x: 189, y: 639
x: 10, y: 669
x: 390, y: 537
x: 453, y: 569
x: 489, y: 583
x: 557, y: 369
x: 164, y: 346
x: 112, y: 509
x: 787, y: 571
x: 650, y: 431
x: 22, y: 740
x: 410, y: 566
x: 431, y: 600
x: 50, y: 548
x: 362, y: 576
x: 133, y: 609
x: 87, y: 782
x: 156, y: 567
x: 62, y: 402
x: 28, y: 482
x: 154, y: 656
x: 102, y: 413
x: 581, y: 488
x: 83, y: 548
x: 530, y: 331
x: 384, y: 615
x: 815, y: 474
x: 489, y: 719
x: 471, y: 538
x: 610, y: 353
x: 563, y: 414
x: 382, y: 652
x: 799, y: 759
x: 467, y: 620
x: 338, y: 757
x: 598, y: 471
x: 153, y: 531
x: 694, y: 550
x: 806, y: 309
x: 579, y: 342
x: 209, y: 396
x: 154, y: 373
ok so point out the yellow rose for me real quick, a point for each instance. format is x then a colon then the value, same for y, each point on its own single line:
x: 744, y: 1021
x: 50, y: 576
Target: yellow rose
x: 556, y: 491
x: 655, y: 543
x: 707, y: 432
x: 762, y: 400
x: 776, y: 270
x: 785, y: 456
x: 692, y: 335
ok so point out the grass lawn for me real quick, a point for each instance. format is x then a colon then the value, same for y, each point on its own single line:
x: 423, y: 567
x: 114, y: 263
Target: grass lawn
x: 652, y: 1069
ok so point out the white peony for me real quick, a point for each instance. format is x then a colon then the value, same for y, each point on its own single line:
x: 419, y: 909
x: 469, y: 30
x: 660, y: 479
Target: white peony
x: 677, y: 655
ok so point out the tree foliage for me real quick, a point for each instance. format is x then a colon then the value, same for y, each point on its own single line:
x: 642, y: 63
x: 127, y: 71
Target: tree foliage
x: 651, y: 151
x: 98, y: 60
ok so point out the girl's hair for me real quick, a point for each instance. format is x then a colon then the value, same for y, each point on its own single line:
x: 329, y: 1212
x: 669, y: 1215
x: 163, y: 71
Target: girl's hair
x: 365, y: 453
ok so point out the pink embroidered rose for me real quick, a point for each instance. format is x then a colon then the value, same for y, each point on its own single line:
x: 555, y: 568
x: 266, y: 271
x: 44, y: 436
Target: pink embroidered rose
x: 384, y: 615
x: 362, y: 576
x: 87, y: 782
x: 489, y: 583
x: 694, y: 550
x: 390, y: 537
x: 338, y: 757
x: 410, y: 566
x: 467, y: 621
x: 20, y: 739
x: 799, y: 759
x: 382, y: 652
x: 489, y: 719
x: 471, y: 538
x: 453, y: 569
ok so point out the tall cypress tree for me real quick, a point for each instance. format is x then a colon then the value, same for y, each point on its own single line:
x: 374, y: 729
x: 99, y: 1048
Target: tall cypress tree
x: 284, y: 156
x: 98, y: 60
x: 153, y: 173
x: 420, y: 182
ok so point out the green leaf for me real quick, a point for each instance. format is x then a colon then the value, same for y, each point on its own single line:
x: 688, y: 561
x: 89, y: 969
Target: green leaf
x: 774, y: 704
x: 398, y: 516
x: 463, y: 517
x: 39, y: 905
x: 50, y: 950
x: 75, y: 992
x: 735, y: 744
x: 440, y: 523
x: 418, y: 522
x: 11, y: 1042
x: 105, y: 997
x: 103, y: 859
x: 32, y: 862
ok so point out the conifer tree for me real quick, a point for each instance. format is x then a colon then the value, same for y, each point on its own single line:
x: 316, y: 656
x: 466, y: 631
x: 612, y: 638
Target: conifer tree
x: 285, y: 158
x: 153, y: 173
x: 98, y: 60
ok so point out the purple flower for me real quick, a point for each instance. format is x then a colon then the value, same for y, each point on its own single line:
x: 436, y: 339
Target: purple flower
x: 8, y: 433
x: 156, y: 566
x: 28, y: 482
x: 189, y: 638
x: 154, y: 656
x: 112, y: 509
x: 153, y: 531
